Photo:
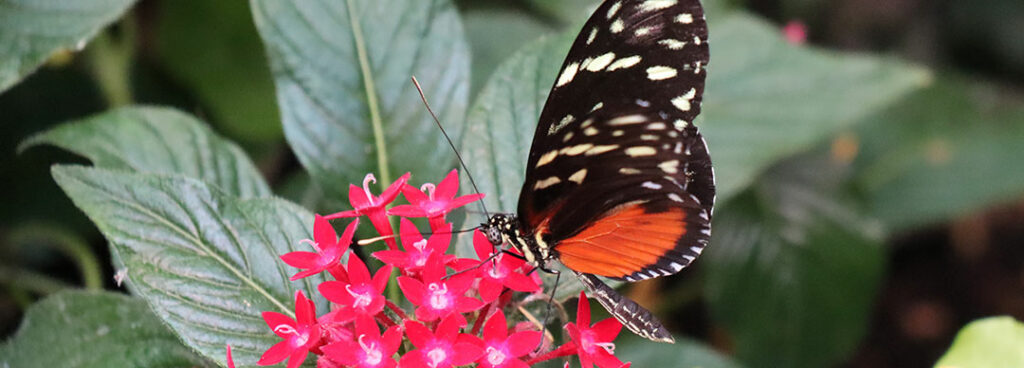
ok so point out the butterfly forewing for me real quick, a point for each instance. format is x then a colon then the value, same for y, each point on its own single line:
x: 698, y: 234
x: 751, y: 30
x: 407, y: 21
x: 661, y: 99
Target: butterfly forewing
x: 619, y: 182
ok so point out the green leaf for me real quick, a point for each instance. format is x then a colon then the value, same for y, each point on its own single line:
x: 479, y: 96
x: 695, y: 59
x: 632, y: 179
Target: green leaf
x: 767, y: 100
x: 948, y: 150
x: 213, y: 48
x: 158, y: 140
x: 342, y: 72
x: 685, y: 353
x: 205, y: 261
x: 95, y: 329
x: 32, y: 30
x: 495, y: 35
x: 988, y: 342
x: 793, y: 268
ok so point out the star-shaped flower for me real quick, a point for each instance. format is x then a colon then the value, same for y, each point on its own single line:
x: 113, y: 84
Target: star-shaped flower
x: 329, y: 249
x: 443, y: 348
x: 360, y: 295
x: 502, y: 350
x: 594, y: 343
x: 435, y: 296
x: 369, y: 349
x: 371, y: 206
x: 434, y: 202
x: 416, y: 249
x: 500, y: 272
x: 300, y: 335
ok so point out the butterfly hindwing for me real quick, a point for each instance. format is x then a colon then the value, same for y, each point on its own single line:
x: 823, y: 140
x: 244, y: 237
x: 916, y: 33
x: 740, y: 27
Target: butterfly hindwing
x: 615, y: 154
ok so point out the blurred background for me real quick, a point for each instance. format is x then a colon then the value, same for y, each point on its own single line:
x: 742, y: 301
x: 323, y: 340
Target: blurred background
x: 938, y: 175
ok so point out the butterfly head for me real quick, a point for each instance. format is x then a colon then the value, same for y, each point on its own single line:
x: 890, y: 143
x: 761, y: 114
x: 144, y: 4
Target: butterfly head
x: 499, y: 228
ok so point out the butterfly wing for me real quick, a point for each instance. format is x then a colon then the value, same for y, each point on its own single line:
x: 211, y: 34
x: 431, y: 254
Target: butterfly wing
x: 619, y: 181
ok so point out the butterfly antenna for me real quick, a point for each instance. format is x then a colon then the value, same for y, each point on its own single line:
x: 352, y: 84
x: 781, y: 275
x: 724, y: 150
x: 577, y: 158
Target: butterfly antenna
x: 368, y: 241
x: 452, y: 145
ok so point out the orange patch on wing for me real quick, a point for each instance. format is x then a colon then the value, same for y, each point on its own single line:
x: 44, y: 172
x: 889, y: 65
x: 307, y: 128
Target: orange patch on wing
x: 624, y: 242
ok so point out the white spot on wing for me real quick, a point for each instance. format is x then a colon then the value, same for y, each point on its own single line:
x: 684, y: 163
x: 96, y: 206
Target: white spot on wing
x: 683, y: 102
x: 651, y: 185
x: 568, y: 74
x: 680, y: 124
x: 675, y: 197
x: 597, y: 150
x: 675, y: 266
x: 660, y: 72
x: 627, y: 120
x: 629, y: 171
x: 656, y: 126
x: 593, y: 35
x: 614, y: 9
x: 643, y: 31
x: 578, y: 176
x: 575, y: 150
x: 566, y: 120
x: 541, y: 184
x: 684, y: 18
x: 672, y: 44
x: 546, y: 158
x: 624, y: 63
x: 617, y: 26
x: 657, y: 4
x: 591, y: 131
x: 597, y: 107
x: 601, y: 62
x: 641, y: 151
x: 669, y: 167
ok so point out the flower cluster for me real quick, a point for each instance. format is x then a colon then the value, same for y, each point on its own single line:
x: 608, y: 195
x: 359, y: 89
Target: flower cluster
x: 445, y: 294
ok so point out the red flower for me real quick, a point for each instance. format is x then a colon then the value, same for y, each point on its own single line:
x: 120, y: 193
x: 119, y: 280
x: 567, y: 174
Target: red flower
x: 795, y: 32
x: 417, y: 251
x: 594, y: 343
x: 444, y: 348
x: 360, y: 295
x: 329, y: 249
x: 368, y: 349
x: 502, y: 350
x: 435, y: 297
x: 436, y: 202
x: 500, y: 272
x: 231, y: 361
x: 300, y: 335
x: 365, y: 203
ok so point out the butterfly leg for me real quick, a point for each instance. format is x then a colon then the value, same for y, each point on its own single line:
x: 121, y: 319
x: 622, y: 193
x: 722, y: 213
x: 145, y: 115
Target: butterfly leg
x: 551, y: 301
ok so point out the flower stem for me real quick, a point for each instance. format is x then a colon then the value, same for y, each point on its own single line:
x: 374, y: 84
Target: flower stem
x: 66, y: 242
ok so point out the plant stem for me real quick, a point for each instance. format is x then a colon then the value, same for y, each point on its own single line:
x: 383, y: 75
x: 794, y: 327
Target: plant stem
x: 68, y: 243
x: 110, y: 63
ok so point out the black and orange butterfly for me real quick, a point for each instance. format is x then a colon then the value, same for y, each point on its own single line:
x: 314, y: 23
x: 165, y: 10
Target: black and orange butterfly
x: 619, y: 182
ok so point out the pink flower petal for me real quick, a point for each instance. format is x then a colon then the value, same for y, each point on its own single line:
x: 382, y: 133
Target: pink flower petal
x: 520, y: 282
x: 357, y: 197
x: 466, y: 353
x: 414, y: 195
x: 448, y: 187
x: 522, y: 343
x: 357, y: 271
x: 496, y: 327
x: 583, y: 311
x: 395, y: 258
x: 276, y: 353
x: 297, y: 357
x: 380, y: 280
x: 412, y: 288
x: 466, y: 304
x: 302, y: 260
x: 323, y: 232
x: 407, y: 210
x: 607, y: 329
x: 346, y: 237
x: 274, y: 319
x: 392, y: 190
x: 418, y: 334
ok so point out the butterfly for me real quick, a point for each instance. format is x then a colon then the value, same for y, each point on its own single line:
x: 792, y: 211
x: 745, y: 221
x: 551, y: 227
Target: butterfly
x: 619, y: 182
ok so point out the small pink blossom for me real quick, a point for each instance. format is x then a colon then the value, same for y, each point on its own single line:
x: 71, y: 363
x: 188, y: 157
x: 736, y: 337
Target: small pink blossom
x: 444, y: 348
x: 329, y: 249
x: 360, y: 295
x: 795, y: 32
x: 594, y: 343
x: 499, y: 273
x: 368, y: 349
x: 502, y: 350
x: 300, y: 335
x: 434, y: 202
x: 416, y: 249
x: 373, y: 207
x: 435, y: 296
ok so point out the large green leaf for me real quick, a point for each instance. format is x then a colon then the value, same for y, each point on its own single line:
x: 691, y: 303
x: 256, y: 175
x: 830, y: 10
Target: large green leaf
x: 767, y: 99
x: 32, y: 30
x: 205, y: 261
x: 160, y: 140
x: 213, y: 48
x: 495, y: 35
x: 342, y: 72
x: 685, y: 353
x: 95, y: 329
x: 945, y: 151
x: 793, y: 268
x: 989, y: 342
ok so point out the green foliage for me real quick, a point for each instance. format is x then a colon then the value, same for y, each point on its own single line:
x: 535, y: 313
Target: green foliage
x: 989, y: 342
x: 158, y: 140
x: 95, y: 329
x: 685, y: 353
x: 32, y: 30
x: 206, y: 262
x: 342, y: 72
x: 212, y: 47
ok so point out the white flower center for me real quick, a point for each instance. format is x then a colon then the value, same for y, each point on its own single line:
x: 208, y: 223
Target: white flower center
x: 436, y: 356
x: 366, y: 187
x: 373, y: 353
x: 495, y: 356
x: 438, y: 295
x: 362, y: 299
